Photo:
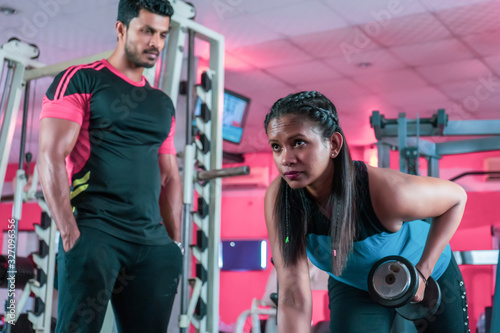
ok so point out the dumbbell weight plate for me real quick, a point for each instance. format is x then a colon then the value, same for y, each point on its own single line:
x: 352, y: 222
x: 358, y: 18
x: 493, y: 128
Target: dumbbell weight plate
x: 425, y: 309
x: 391, y: 281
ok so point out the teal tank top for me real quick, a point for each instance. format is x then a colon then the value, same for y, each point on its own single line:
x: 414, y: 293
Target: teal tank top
x: 373, y: 241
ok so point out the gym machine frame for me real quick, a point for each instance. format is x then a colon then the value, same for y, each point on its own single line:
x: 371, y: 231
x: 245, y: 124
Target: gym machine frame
x: 404, y: 134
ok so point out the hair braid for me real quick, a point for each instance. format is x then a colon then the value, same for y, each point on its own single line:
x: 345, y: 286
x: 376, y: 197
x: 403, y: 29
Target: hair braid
x: 292, y: 218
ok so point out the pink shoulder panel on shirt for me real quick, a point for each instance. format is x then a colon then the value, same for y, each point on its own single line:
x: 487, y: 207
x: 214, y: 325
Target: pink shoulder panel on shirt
x: 168, y: 147
x: 70, y: 107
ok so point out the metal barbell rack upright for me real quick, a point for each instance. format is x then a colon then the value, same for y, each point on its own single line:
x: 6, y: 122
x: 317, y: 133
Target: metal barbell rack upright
x: 19, y: 57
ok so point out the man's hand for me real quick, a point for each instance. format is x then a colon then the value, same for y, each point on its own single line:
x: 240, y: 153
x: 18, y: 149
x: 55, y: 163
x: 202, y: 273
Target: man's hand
x: 70, y: 239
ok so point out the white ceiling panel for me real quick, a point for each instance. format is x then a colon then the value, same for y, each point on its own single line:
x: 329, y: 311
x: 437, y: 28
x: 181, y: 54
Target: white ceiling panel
x: 380, y: 11
x: 269, y: 54
x: 426, y: 97
x: 265, y: 6
x: 335, y: 89
x: 412, y: 29
x: 343, y: 42
x: 267, y: 97
x: 244, y: 82
x: 454, y: 71
x: 249, y: 31
x: 489, y: 108
x: 234, y: 63
x: 430, y: 53
x: 366, y: 63
x: 391, y: 81
x: 292, y: 20
x: 208, y: 12
x: 472, y: 19
x: 484, y: 44
x: 472, y: 90
x: 436, y: 6
x: 494, y: 63
x: 311, y: 71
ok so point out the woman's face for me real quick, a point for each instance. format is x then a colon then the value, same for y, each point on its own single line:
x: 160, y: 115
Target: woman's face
x: 301, y: 154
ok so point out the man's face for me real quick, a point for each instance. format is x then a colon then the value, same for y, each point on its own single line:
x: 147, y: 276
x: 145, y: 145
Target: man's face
x: 145, y: 38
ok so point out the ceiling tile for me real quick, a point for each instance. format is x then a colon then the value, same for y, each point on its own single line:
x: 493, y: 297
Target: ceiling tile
x: 485, y: 44
x: 208, y: 12
x: 431, y: 53
x: 379, y: 60
x: 472, y: 19
x: 412, y: 29
x: 472, y: 94
x: 275, y: 53
x: 248, y: 31
x: 244, y: 82
x: 312, y: 71
x: 289, y: 20
x: 488, y: 108
x: 426, y: 97
x: 494, y: 63
x: 264, y: 6
x: 235, y: 64
x: 376, y: 11
x: 436, y: 6
x: 267, y: 97
x: 335, y: 88
x: 391, y: 81
x: 454, y: 71
x: 343, y: 42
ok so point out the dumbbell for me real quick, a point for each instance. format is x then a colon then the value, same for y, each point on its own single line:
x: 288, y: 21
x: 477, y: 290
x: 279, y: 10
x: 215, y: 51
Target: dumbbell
x: 393, y: 282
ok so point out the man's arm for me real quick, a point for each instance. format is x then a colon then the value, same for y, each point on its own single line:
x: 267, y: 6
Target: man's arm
x: 171, y: 195
x: 57, y: 139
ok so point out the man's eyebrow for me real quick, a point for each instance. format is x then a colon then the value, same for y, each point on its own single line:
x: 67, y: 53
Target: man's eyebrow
x: 155, y: 30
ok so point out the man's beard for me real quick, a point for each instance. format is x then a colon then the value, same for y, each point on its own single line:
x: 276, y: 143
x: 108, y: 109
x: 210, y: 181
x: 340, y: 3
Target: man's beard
x: 134, y: 56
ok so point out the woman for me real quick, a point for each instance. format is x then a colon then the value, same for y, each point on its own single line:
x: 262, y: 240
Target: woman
x: 345, y: 216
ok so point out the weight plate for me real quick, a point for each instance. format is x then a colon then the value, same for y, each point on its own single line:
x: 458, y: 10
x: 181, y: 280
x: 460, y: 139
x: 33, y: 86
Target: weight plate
x: 425, y: 309
x: 391, y: 281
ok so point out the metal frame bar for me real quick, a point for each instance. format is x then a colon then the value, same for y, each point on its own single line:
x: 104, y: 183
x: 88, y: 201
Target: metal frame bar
x: 468, y: 146
x: 10, y: 118
x: 209, y: 292
x: 399, y: 133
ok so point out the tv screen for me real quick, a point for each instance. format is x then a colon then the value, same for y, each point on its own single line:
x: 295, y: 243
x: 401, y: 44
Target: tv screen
x: 233, y: 117
x: 243, y: 255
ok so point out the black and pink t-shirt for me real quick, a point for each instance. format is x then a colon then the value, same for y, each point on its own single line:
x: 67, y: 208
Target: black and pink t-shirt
x: 114, y: 167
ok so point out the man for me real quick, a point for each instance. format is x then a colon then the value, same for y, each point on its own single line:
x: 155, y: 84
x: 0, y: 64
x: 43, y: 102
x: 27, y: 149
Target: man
x: 110, y: 133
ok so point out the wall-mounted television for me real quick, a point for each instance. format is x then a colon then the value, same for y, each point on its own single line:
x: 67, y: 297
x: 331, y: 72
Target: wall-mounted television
x: 243, y: 255
x: 233, y: 118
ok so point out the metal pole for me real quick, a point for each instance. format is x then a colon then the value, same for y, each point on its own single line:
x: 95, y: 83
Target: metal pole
x: 8, y: 84
x: 25, y: 122
x: 186, y: 209
x: 20, y: 182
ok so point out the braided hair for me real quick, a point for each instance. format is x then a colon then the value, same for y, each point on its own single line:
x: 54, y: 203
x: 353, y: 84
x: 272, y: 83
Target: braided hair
x: 294, y: 208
